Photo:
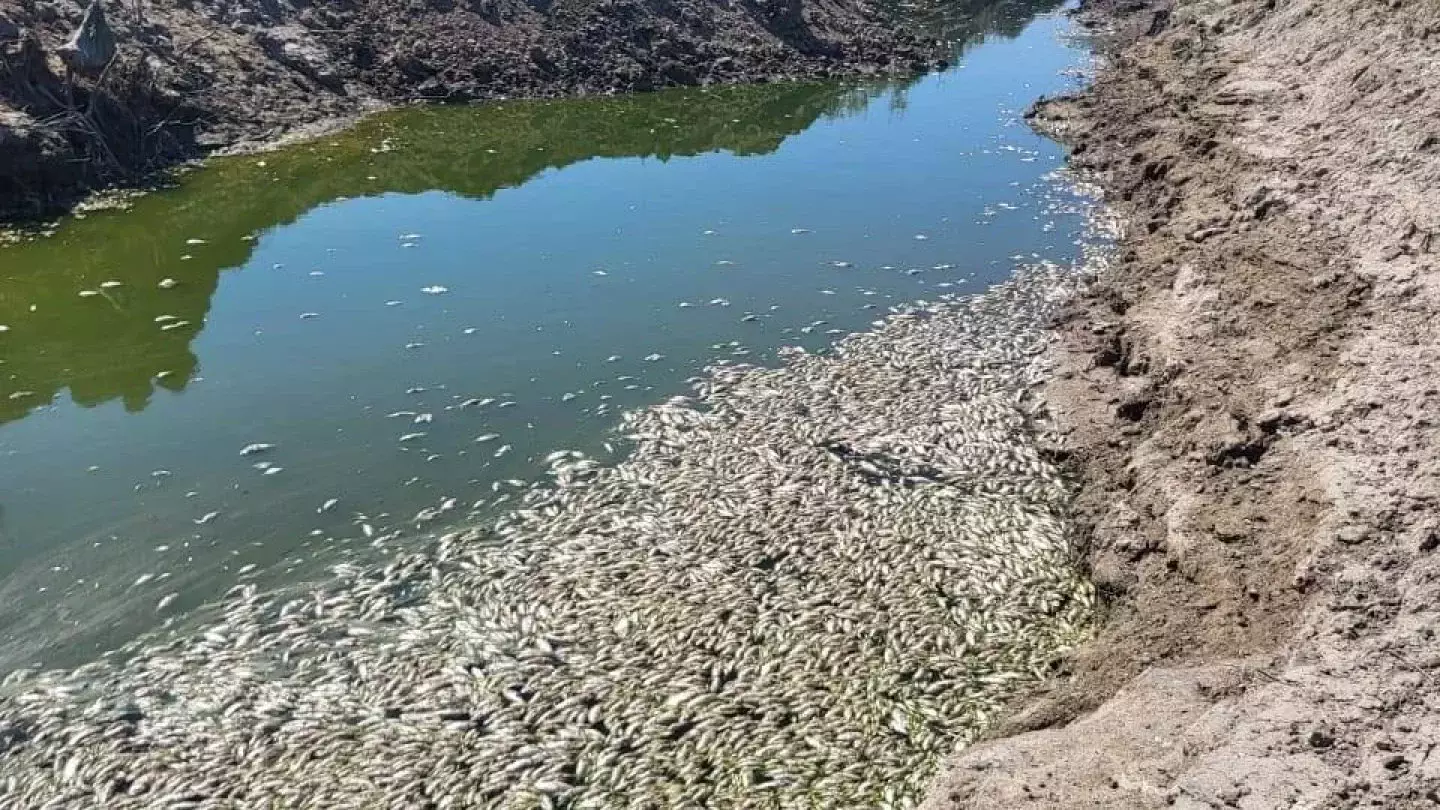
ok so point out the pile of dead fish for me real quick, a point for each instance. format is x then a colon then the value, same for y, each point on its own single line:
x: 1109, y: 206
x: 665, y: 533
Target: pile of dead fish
x: 804, y: 587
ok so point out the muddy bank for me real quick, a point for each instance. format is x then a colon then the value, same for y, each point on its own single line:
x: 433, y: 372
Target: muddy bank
x: 1249, y: 395
x: 190, y: 76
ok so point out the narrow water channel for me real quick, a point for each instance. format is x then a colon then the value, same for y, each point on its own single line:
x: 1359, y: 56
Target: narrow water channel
x: 252, y: 375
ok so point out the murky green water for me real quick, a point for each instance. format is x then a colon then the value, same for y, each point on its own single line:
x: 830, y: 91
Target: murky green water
x: 377, y: 306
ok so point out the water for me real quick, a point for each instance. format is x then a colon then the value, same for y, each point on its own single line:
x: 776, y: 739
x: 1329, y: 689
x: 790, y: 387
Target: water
x: 353, y: 302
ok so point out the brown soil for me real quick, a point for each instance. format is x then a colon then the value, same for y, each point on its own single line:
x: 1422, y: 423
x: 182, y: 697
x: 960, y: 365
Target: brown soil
x: 194, y: 75
x: 1251, y: 402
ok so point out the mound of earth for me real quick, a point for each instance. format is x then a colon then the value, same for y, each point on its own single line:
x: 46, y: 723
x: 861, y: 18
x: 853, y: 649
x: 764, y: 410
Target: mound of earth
x: 190, y: 76
x: 1251, y: 402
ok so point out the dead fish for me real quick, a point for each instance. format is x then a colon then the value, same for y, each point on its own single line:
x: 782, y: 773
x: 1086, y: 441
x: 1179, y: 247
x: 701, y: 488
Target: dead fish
x: 328, y: 505
x: 504, y: 448
x: 206, y: 518
x: 109, y: 285
x: 410, y: 437
x: 166, y: 601
x: 423, y: 418
x: 434, y: 289
x: 488, y: 437
x: 258, y: 447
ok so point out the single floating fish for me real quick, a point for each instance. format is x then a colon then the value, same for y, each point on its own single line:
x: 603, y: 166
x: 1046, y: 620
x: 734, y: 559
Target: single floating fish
x: 434, y: 289
x: 410, y: 437
x: 206, y: 518
x: 327, y: 506
x: 258, y: 447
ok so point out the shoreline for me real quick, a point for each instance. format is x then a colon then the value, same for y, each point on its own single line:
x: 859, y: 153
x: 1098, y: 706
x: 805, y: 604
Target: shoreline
x: 211, y: 78
x: 1245, y: 396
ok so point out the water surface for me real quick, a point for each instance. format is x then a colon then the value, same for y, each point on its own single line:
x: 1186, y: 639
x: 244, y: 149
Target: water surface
x: 375, y: 306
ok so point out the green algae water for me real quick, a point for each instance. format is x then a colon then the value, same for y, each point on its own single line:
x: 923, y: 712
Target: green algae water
x: 286, y: 359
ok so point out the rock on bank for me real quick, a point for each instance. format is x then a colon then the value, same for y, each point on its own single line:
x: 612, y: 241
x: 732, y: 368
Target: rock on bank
x: 193, y: 75
x: 1252, y: 404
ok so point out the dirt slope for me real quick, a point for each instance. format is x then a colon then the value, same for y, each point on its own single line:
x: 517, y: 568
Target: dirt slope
x: 1252, y: 400
x: 191, y: 75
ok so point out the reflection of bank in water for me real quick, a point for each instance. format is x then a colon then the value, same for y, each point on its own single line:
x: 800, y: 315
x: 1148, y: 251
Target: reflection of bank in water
x: 92, y: 310
x: 117, y: 343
